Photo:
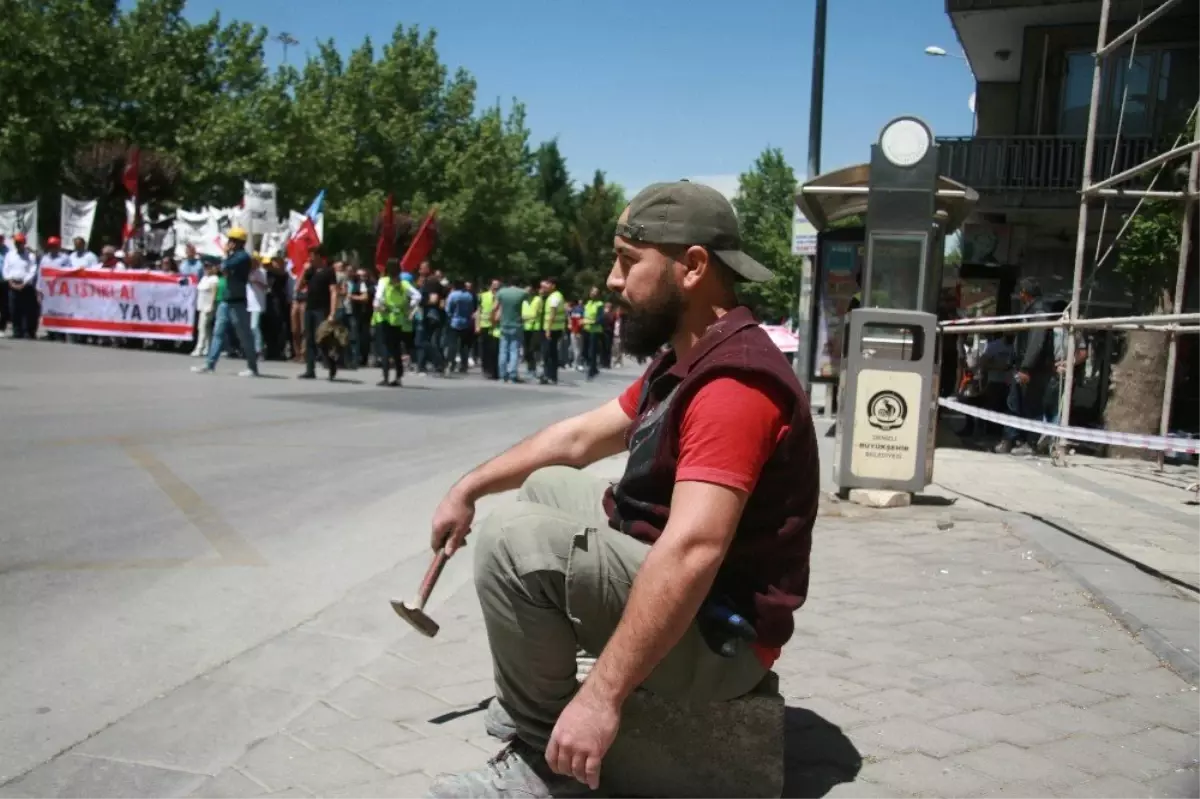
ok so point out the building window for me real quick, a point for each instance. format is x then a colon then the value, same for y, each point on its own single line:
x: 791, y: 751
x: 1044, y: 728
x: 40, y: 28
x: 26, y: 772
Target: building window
x: 1162, y: 87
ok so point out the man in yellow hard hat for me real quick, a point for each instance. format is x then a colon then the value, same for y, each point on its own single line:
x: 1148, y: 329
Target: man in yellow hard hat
x: 233, y: 310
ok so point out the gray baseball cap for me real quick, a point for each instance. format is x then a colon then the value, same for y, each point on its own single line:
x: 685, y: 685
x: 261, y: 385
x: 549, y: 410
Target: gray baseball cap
x: 693, y: 214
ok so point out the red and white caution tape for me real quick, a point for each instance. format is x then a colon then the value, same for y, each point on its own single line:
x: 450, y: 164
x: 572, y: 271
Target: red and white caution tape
x: 1169, y: 444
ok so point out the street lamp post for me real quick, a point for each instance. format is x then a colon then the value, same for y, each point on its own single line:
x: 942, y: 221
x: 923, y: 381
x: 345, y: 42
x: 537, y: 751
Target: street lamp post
x: 287, y: 40
x: 940, y: 52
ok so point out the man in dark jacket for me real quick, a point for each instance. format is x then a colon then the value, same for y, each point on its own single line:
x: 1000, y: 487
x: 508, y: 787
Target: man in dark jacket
x: 1034, y: 359
x: 233, y: 315
x: 711, y: 521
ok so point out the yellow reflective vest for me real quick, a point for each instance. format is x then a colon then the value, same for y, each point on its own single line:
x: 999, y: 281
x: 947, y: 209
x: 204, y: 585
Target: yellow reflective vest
x: 591, y: 316
x: 559, y: 311
x: 531, y: 312
x: 487, y: 304
x: 397, y: 303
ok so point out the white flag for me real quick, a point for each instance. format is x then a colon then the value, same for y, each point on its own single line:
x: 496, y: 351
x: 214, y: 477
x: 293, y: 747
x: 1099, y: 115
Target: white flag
x: 200, y: 230
x: 296, y: 219
x: 260, y: 205
x: 20, y: 218
x: 76, y: 220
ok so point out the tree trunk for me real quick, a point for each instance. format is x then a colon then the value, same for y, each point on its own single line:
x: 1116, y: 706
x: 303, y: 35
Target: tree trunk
x: 1138, y: 382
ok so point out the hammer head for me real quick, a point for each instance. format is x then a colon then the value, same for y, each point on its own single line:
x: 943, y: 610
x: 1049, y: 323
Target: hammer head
x: 416, y: 617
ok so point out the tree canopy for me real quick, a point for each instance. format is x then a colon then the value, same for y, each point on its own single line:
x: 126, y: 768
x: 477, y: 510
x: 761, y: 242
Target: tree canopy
x: 207, y: 113
x: 765, y: 201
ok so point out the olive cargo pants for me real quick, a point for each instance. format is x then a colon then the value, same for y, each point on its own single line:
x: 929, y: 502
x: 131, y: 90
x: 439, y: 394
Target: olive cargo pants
x: 553, y: 577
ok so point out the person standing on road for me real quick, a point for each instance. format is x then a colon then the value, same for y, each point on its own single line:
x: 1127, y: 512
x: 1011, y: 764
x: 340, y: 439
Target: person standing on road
x: 711, y: 521
x: 485, y: 320
x: 321, y: 302
x: 460, y: 313
x: 531, y: 321
x: 1034, y: 358
x: 20, y: 275
x: 553, y: 328
x: 232, y: 311
x: 593, y: 331
x: 394, y: 298
x: 510, y: 300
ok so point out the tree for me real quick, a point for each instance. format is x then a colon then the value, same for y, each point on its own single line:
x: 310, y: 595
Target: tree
x: 590, y: 237
x: 207, y: 114
x: 1149, y: 260
x: 765, y: 202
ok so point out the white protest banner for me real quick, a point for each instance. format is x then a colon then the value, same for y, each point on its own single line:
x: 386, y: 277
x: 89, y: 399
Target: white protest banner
x: 804, y: 235
x: 76, y: 220
x: 20, y: 218
x: 198, y: 229
x: 104, y: 302
x: 260, y: 206
x: 273, y: 244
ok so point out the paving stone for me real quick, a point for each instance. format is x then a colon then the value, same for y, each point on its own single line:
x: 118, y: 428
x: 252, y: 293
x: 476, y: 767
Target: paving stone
x: 465, y: 694
x: 405, y: 785
x: 1115, y: 787
x: 1105, y: 758
x: 280, y: 762
x: 1069, y: 719
x: 288, y: 793
x: 398, y: 672
x: 357, y: 735
x: 1062, y: 690
x: 362, y: 698
x: 906, y: 735
x: 823, y: 686
x: 201, y: 727
x: 1179, y: 783
x: 878, y: 675
x: 73, y: 775
x: 1183, y: 749
x: 1002, y: 761
x: 299, y: 662
x: 988, y: 726
x: 229, y: 784
x: 857, y: 789
x: 1180, y: 712
x: 318, y: 714
x: 431, y: 755
x: 972, y: 696
x: 957, y: 669
x: 920, y: 775
x: 835, y: 713
x: 897, y: 702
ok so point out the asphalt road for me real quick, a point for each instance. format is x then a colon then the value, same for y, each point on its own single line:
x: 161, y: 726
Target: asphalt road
x: 156, y: 523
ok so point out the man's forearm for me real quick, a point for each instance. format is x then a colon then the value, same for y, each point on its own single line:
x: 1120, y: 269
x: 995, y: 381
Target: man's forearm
x: 666, y: 595
x: 560, y: 444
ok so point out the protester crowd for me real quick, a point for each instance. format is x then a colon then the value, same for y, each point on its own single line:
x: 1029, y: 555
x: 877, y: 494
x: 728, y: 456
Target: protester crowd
x: 341, y: 315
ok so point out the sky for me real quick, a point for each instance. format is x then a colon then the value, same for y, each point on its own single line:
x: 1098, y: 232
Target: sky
x: 665, y: 89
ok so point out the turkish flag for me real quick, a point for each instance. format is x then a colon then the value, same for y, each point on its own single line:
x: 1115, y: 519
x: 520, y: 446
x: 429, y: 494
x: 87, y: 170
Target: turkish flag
x: 422, y: 244
x: 386, y: 245
x: 299, y: 245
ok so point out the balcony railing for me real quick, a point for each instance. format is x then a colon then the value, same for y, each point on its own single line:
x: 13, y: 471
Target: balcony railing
x: 1042, y: 163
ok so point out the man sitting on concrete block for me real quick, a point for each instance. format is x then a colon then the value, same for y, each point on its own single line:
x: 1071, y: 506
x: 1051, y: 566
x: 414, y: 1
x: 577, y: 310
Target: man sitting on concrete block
x: 682, y: 577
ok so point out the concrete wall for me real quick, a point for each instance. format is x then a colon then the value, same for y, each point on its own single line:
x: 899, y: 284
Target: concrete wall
x: 996, y: 106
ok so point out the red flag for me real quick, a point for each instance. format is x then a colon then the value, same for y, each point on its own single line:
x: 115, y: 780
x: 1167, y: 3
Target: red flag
x: 386, y: 245
x: 130, y: 176
x: 422, y: 244
x: 298, y: 246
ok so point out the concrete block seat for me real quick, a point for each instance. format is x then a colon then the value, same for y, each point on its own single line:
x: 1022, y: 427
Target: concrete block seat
x: 732, y: 748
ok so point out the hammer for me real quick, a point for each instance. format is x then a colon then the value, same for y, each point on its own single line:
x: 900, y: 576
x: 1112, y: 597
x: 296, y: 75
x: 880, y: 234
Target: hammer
x: 415, y: 614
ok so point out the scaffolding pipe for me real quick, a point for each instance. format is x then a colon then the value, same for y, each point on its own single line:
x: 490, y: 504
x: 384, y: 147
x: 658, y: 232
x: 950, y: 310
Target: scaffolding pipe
x: 1135, y: 28
x: 1185, y: 240
x: 1183, y: 149
x: 1161, y: 322
x: 1153, y: 195
x: 1089, y: 154
x: 866, y: 189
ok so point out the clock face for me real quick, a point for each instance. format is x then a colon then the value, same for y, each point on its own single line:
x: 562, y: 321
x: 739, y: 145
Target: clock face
x: 904, y: 142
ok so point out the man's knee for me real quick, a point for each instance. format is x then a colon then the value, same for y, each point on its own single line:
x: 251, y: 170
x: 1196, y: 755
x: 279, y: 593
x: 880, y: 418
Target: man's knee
x: 517, y: 538
x: 540, y: 485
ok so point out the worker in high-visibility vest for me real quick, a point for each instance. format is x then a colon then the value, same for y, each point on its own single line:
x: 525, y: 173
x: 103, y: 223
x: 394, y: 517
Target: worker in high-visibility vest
x: 593, y: 331
x: 554, y: 325
x: 531, y: 322
x: 485, y: 323
x: 392, y: 319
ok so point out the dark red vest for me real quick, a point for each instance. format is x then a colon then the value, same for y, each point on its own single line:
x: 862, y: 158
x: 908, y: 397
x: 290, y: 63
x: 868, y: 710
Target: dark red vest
x: 765, y: 572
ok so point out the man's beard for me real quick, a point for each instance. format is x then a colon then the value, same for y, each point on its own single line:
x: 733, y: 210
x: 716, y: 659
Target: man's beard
x: 647, y: 328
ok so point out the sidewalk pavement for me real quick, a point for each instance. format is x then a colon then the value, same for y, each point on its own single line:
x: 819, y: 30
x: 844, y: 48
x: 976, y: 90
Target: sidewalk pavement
x: 937, y: 656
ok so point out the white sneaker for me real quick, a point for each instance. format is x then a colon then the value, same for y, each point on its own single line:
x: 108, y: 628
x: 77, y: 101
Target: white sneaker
x: 247, y: 373
x: 202, y: 370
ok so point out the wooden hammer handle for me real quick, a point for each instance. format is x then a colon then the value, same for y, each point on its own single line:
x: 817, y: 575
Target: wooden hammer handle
x: 431, y: 578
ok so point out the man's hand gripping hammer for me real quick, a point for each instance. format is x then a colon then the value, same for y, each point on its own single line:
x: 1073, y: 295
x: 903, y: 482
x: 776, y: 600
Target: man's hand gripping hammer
x: 414, y: 613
